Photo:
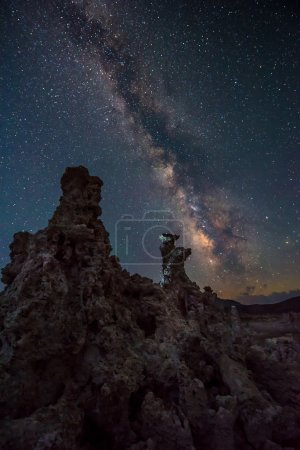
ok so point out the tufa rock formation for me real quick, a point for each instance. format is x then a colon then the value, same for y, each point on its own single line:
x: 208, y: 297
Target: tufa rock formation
x: 95, y: 358
x: 173, y: 259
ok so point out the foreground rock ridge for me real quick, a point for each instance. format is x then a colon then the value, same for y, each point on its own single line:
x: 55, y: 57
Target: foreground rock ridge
x: 95, y: 358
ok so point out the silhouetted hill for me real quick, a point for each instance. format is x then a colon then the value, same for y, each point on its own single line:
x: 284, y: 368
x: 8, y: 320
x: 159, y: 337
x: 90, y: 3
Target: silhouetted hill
x: 286, y: 306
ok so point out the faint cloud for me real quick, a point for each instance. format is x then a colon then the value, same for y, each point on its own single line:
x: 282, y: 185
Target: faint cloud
x: 249, y: 291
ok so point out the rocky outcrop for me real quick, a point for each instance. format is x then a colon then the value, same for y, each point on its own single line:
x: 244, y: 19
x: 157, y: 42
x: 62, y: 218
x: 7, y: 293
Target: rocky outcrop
x: 173, y: 259
x: 95, y: 358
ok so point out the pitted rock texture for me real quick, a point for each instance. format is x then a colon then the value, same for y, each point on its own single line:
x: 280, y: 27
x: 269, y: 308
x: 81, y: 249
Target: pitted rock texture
x: 173, y: 259
x: 95, y: 358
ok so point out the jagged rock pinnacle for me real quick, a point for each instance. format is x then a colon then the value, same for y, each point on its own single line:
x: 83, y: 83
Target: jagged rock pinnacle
x: 80, y: 201
x: 74, y: 234
x: 173, y: 260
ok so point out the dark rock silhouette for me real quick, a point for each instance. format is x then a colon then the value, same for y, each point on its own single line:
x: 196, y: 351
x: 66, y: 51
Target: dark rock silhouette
x: 173, y: 259
x: 95, y: 358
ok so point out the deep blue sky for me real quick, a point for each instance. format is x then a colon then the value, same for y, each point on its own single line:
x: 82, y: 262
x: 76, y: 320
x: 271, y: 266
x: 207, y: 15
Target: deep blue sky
x: 187, y: 106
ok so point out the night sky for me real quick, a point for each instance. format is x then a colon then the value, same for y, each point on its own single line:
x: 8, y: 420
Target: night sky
x: 186, y: 106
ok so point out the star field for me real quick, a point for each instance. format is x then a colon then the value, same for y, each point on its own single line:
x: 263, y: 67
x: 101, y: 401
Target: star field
x: 188, y: 106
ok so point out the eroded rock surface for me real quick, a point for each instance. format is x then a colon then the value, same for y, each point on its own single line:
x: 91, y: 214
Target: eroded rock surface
x: 95, y: 358
x: 173, y: 259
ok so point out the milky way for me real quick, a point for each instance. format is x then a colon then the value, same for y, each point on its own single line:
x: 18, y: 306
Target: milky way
x: 177, y: 106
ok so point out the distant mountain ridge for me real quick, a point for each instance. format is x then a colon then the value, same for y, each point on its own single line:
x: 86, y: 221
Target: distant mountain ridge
x: 286, y: 306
